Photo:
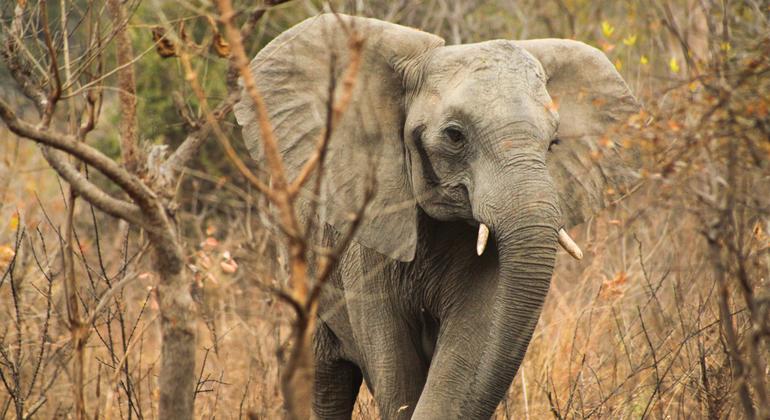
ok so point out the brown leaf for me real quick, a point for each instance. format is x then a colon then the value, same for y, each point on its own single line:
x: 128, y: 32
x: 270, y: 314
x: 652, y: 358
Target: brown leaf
x: 6, y: 255
x: 606, y: 46
x: 674, y: 125
x: 606, y: 142
x: 210, y: 243
x: 614, y: 288
x: 229, y: 266
x: 221, y: 47
x: 164, y: 46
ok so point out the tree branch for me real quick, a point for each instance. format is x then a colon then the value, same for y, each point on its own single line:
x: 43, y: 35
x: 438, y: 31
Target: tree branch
x: 212, y: 122
x: 190, y: 146
x: 127, y: 87
x: 67, y: 143
x: 255, y: 16
x: 268, y: 137
x: 93, y: 194
x: 336, y: 111
x: 12, y: 50
x: 55, y: 94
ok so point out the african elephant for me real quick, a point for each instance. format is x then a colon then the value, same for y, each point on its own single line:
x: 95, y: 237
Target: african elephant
x: 498, y: 138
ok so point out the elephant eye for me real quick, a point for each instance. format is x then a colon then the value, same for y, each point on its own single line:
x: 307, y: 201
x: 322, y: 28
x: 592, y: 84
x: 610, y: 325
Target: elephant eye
x: 454, y: 134
x: 554, y: 142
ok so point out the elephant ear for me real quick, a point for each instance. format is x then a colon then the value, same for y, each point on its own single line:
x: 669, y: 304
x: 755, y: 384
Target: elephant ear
x: 588, y: 164
x: 293, y: 75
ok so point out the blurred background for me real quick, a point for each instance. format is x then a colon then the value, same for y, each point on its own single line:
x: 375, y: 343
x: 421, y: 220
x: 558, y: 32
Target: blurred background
x: 667, y: 316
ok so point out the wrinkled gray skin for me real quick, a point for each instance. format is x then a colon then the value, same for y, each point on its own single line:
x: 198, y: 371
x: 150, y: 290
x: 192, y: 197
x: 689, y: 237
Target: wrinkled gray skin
x: 459, y: 135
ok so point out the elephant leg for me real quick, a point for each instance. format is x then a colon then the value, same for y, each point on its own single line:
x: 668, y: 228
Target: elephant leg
x: 337, y: 380
x: 336, y: 387
x: 395, y: 366
x: 388, y: 334
x: 397, y: 380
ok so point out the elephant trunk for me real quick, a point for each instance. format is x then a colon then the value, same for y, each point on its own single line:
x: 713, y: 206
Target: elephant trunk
x: 525, y: 229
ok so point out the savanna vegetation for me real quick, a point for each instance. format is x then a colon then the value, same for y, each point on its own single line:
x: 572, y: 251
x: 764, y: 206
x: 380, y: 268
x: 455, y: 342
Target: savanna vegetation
x: 148, y: 270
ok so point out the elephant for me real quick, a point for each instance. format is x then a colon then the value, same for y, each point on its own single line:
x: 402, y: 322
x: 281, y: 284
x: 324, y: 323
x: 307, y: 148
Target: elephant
x: 495, y: 147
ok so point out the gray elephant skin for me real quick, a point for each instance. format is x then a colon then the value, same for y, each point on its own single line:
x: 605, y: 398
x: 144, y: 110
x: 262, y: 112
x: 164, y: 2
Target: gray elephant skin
x: 503, y: 134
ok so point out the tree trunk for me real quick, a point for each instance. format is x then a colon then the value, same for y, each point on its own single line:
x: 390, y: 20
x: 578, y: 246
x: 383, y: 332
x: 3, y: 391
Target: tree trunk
x: 177, y: 370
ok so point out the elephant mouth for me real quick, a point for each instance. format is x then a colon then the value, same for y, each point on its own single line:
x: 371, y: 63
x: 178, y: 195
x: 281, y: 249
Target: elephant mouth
x: 565, y: 241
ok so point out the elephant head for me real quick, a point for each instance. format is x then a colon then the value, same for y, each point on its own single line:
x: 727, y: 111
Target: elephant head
x: 504, y: 135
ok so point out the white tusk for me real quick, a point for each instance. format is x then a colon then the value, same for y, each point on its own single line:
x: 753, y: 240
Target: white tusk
x: 481, y: 242
x: 569, y: 245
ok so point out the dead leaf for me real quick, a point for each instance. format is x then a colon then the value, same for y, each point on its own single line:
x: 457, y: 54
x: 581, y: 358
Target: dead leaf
x: 606, y: 46
x: 606, y: 142
x: 210, y: 243
x: 6, y: 255
x: 164, y: 46
x: 613, y: 288
x: 674, y: 125
x: 229, y: 266
x: 13, y: 224
x: 620, y: 279
x: 221, y: 47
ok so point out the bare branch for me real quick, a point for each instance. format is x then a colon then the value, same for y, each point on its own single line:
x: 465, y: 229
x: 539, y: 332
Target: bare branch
x: 132, y: 186
x: 213, y: 123
x: 256, y: 16
x: 274, y: 160
x: 127, y: 86
x: 93, y: 194
x: 355, y: 44
x: 55, y: 94
x: 18, y: 67
x: 116, y: 288
x: 194, y: 140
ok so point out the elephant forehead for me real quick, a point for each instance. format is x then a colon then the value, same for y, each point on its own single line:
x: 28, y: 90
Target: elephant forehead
x: 489, y: 79
x: 492, y: 62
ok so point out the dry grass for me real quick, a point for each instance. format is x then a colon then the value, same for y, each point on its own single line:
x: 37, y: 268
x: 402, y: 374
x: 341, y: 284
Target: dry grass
x: 623, y: 334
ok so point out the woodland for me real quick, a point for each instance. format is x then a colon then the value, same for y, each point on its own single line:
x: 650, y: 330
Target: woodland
x: 150, y: 270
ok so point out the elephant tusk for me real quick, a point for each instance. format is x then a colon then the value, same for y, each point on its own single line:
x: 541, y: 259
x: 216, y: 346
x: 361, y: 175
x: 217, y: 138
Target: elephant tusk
x: 481, y: 242
x: 569, y: 245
